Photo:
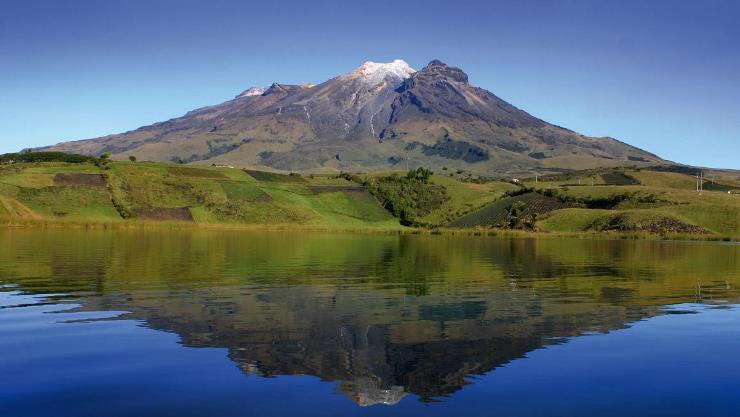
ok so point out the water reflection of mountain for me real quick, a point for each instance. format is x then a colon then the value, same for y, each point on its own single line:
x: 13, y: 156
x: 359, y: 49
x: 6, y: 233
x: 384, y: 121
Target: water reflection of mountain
x: 374, y: 342
x: 382, y: 315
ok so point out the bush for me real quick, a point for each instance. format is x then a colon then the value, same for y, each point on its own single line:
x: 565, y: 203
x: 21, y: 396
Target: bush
x: 519, y: 191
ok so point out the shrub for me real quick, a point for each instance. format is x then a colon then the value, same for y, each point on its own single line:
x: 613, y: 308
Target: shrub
x: 518, y: 191
x: 103, y: 161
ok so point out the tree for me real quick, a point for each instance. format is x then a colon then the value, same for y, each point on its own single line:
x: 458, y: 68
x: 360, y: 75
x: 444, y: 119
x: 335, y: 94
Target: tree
x: 518, y: 218
x: 420, y: 174
x: 132, y: 158
x: 103, y: 160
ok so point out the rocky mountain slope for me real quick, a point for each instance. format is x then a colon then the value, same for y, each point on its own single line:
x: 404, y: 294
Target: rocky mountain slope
x: 378, y: 117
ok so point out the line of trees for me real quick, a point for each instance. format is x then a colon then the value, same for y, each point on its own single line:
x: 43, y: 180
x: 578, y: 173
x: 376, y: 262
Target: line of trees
x: 71, y: 158
x: 30, y: 157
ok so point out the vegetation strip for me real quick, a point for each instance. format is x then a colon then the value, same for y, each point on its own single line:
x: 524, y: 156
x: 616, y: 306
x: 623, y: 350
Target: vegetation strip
x: 96, y: 191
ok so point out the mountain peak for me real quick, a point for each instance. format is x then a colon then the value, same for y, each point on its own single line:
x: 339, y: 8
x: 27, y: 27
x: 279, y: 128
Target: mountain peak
x: 374, y: 72
x: 278, y: 88
x: 437, y: 67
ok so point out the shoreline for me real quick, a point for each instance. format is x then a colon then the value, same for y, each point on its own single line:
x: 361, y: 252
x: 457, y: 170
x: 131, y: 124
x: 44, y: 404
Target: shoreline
x: 46, y: 224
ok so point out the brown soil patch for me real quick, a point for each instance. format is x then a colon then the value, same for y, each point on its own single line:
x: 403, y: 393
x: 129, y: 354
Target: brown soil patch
x: 181, y: 214
x: 74, y: 178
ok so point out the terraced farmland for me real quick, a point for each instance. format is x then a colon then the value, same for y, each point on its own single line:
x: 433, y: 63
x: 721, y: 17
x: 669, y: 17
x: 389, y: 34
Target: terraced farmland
x: 598, y: 176
x: 497, y: 212
x: 120, y: 192
x: 265, y: 176
x: 154, y: 192
x: 619, y: 178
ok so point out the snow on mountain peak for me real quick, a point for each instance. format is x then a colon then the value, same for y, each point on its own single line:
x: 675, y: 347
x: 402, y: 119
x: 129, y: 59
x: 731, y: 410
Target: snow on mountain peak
x: 253, y: 91
x: 375, y: 72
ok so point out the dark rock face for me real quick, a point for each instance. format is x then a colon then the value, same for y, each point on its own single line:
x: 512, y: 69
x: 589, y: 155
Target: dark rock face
x: 369, y: 116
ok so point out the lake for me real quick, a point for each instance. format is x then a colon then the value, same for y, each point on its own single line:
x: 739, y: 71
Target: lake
x: 217, y: 323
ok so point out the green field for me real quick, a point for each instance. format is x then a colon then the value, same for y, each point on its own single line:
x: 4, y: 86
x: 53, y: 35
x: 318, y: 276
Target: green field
x: 222, y: 196
x: 465, y: 198
x: 661, y: 198
x: 623, y: 200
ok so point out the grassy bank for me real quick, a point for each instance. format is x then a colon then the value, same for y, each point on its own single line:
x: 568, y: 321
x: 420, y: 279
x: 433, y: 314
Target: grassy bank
x: 401, y: 230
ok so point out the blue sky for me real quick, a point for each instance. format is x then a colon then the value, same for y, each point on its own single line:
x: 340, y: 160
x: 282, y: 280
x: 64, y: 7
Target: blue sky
x: 661, y: 75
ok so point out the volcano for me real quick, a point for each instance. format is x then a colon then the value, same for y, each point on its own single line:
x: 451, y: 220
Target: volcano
x: 381, y: 116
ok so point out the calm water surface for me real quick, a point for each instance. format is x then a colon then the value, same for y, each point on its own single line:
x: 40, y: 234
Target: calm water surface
x: 276, y: 324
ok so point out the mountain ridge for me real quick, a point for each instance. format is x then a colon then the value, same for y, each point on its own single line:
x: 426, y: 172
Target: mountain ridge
x: 373, y: 118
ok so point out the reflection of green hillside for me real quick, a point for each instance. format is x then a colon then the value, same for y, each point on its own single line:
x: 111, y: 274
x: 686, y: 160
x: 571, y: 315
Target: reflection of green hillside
x: 383, y: 314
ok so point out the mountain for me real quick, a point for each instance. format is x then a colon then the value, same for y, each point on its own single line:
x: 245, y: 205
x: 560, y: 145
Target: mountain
x: 377, y: 117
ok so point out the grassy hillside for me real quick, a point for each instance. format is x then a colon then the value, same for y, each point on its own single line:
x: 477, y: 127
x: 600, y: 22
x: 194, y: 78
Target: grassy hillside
x: 661, y: 199
x: 465, y: 197
x: 621, y: 200
x: 86, y: 193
